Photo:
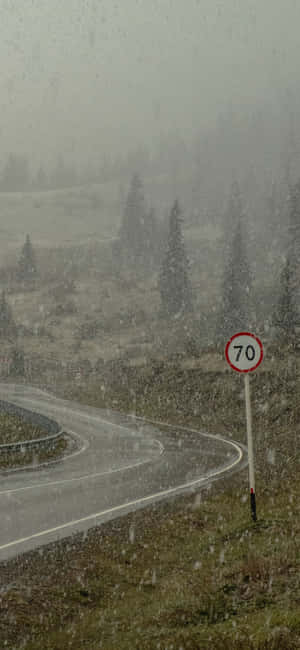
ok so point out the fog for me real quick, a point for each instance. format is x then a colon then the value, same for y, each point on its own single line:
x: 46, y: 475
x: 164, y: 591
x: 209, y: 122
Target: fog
x: 94, y: 78
x: 150, y: 232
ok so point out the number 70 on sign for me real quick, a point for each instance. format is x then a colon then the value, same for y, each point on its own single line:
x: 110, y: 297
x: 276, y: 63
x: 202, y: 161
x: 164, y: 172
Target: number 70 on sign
x: 244, y: 352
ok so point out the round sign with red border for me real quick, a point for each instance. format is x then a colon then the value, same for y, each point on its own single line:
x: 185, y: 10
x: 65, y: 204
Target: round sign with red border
x: 244, y: 352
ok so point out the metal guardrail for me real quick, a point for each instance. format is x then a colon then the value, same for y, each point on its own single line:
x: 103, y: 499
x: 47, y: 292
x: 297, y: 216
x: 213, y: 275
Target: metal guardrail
x: 30, y: 444
x: 36, y: 419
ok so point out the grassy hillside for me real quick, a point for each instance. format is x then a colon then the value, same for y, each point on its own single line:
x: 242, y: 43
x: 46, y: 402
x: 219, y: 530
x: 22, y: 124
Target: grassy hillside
x: 83, y: 307
x: 108, y: 313
x: 210, y: 397
x: 61, y: 216
x: 206, y: 578
x: 195, y: 572
x: 75, y: 214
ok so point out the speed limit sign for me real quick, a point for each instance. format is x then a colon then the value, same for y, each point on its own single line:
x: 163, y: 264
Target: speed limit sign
x: 244, y: 352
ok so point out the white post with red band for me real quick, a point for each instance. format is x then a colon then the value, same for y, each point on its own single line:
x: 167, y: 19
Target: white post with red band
x: 244, y: 353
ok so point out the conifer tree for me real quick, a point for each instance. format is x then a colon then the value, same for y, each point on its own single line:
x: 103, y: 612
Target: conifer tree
x: 40, y: 181
x: 27, y: 269
x: 8, y: 327
x: 139, y: 235
x: 235, y: 311
x: 16, y: 175
x: 286, y: 317
x: 152, y: 240
x: 132, y: 229
x: 17, y: 366
x: 174, y: 282
x: 294, y: 226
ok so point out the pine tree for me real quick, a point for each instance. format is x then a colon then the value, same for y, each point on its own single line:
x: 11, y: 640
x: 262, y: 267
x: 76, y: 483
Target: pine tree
x: 132, y: 231
x: 235, y: 309
x: 8, y: 327
x: 234, y: 212
x: 17, y: 365
x: 286, y: 317
x: 16, y: 175
x: 174, y: 282
x: 152, y: 240
x: 27, y: 269
x: 40, y: 181
x: 294, y: 225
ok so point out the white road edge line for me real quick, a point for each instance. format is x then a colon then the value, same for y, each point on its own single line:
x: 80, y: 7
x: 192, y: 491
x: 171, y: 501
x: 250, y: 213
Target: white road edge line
x: 137, y: 501
x: 85, y: 476
x: 129, y: 504
x: 75, y: 453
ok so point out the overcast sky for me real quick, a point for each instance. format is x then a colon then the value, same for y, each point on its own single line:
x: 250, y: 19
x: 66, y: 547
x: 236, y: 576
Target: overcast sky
x: 80, y: 74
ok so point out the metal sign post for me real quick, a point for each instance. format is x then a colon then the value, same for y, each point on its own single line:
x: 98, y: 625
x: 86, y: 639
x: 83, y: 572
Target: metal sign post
x: 244, y: 353
x: 250, y: 448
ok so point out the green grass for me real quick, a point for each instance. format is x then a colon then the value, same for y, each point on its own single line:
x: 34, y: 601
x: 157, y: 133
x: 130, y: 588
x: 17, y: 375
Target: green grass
x: 22, y: 458
x: 195, y: 572
x: 14, y: 429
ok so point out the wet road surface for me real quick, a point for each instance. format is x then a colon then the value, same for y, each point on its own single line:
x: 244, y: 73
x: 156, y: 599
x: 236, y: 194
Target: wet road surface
x: 122, y: 463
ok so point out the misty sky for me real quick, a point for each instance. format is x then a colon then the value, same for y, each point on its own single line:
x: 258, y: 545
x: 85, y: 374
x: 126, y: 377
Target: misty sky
x: 109, y: 74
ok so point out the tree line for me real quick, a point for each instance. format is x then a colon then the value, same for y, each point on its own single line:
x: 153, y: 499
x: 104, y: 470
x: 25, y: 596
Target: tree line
x: 149, y: 245
x: 146, y: 243
x: 17, y: 175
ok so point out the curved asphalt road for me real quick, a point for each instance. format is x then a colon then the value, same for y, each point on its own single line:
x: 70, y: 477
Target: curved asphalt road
x: 122, y: 464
